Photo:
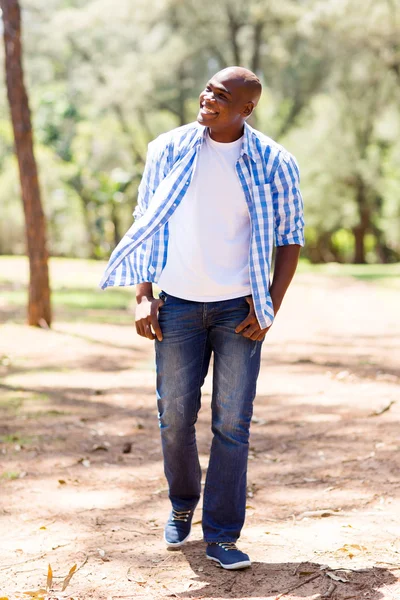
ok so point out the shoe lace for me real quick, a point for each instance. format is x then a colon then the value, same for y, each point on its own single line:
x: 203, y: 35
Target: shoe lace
x: 227, y: 545
x: 180, y: 515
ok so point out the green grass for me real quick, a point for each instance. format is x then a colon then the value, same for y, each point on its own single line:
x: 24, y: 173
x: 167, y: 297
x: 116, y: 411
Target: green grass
x: 11, y: 404
x: 64, y: 272
x: 10, y: 475
x: 28, y: 406
x: 16, y: 438
x: 75, y: 290
x: 16, y: 400
x: 46, y: 413
x: 81, y: 274
x: 76, y: 295
x: 387, y: 275
x: 83, y: 299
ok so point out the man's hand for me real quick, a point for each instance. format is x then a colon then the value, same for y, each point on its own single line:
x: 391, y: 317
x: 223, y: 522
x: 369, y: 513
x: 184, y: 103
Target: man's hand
x: 146, y: 317
x: 250, y: 328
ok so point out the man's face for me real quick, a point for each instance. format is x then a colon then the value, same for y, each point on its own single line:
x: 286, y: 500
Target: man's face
x: 224, y: 103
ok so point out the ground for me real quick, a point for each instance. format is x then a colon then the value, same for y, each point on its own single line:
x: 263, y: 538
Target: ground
x: 81, y: 472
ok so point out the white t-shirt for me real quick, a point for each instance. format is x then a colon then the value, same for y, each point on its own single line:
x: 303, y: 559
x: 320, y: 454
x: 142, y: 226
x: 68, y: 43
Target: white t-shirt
x: 209, y: 232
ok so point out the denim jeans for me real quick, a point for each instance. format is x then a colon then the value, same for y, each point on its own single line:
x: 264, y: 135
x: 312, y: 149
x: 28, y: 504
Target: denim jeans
x: 191, y: 332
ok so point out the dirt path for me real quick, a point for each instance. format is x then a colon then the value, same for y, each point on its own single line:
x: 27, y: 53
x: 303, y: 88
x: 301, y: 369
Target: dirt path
x: 323, y: 485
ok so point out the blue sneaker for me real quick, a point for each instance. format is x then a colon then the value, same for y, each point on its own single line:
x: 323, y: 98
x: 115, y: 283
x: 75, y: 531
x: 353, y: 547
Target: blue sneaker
x: 228, y: 555
x: 177, y: 529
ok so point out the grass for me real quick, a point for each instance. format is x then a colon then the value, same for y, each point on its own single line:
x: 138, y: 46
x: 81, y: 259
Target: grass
x: 76, y: 295
x: 64, y: 272
x: 11, y: 404
x: 83, y: 299
x: 28, y: 406
x: 14, y: 400
x: 47, y: 413
x: 16, y: 438
x: 10, y: 475
x: 388, y: 275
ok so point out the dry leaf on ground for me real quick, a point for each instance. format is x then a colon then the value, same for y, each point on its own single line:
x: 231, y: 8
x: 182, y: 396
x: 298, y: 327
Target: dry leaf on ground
x: 336, y: 577
x: 49, y: 578
x: 326, y: 512
x: 68, y: 577
x: 137, y: 578
x: 352, y: 549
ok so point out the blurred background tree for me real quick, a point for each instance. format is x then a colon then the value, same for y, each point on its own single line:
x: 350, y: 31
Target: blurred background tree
x: 39, y: 309
x: 105, y: 78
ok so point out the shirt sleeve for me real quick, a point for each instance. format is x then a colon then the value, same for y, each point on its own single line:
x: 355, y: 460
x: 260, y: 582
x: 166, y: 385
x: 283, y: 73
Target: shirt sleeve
x: 287, y: 203
x: 145, y: 190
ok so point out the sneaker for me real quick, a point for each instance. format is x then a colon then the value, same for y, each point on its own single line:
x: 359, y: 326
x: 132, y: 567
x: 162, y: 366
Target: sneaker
x: 177, y: 529
x: 228, y: 555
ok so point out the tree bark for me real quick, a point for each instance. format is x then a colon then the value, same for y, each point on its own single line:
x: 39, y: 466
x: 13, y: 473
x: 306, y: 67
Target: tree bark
x: 181, y: 95
x: 76, y: 183
x: 258, y: 28
x: 360, y: 230
x: 323, y: 250
x: 39, y: 308
x: 234, y: 27
x: 115, y: 222
x: 359, y: 246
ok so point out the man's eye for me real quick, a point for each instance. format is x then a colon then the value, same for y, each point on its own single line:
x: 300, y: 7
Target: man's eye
x: 222, y: 96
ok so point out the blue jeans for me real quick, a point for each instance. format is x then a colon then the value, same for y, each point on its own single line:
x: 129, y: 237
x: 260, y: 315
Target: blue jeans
x: 191, y: 332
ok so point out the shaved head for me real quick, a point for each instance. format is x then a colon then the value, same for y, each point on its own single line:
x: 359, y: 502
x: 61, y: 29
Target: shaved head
x: 228, y: 99
x: 252, y: 87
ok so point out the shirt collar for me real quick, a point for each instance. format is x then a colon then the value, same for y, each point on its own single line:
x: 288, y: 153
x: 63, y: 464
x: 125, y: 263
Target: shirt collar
x: 248, y: 144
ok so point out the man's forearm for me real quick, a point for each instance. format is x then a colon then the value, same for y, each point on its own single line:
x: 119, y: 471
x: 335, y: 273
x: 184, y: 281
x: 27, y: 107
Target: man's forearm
x: 286, y: 260
x: 144, y: 290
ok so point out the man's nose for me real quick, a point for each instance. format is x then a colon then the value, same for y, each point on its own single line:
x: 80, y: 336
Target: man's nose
x: 208, y: 95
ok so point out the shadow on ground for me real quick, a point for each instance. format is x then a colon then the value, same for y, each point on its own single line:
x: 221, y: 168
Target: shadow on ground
x: 304, y: 580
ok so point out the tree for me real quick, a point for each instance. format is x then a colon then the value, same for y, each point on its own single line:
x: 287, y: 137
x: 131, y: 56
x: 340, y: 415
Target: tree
x: 365, y: 92
x: 39, y: 308
x: 105, y: 78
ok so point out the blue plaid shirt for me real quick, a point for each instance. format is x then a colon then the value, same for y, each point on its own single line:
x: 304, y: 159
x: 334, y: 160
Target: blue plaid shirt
x: 270, y: 180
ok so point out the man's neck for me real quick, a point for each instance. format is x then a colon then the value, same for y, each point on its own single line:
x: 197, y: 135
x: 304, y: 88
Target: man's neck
x: 226, y: 136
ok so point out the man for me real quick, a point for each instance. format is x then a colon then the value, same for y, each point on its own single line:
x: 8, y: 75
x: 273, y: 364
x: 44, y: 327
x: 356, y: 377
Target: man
x: 215, y: 197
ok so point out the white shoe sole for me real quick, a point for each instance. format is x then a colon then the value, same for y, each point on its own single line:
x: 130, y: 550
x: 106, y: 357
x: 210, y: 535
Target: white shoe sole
x: 176, y: 544
x: 239, y: 565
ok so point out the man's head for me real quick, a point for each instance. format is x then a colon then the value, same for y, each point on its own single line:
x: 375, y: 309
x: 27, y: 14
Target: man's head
x: 227, y: 101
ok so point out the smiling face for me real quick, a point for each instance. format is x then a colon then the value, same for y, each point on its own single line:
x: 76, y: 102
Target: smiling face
x: 227, y: 101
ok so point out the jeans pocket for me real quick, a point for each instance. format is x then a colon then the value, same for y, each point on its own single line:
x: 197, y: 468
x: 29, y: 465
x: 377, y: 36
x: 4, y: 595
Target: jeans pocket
x: 168, y: 299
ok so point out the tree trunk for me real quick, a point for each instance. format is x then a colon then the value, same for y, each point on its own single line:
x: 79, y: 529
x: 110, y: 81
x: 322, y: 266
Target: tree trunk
x: 257, y: 41
x: 359, y: 246
x: 323, y: 250
x: 181, y: 95
x: 360, y: 230
x: 115, y: 221
x: 39, y: 309
x: 234, y: 26
x: 76, y: 183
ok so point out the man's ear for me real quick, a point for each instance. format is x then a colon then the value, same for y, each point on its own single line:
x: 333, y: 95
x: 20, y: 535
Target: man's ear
x: 248, y: 109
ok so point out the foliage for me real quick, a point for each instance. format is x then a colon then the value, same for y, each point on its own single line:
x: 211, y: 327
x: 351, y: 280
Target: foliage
x: 105, y: 78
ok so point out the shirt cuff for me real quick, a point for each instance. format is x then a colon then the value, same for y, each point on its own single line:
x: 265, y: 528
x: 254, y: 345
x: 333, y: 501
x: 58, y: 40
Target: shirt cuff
x: 294, y: 237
